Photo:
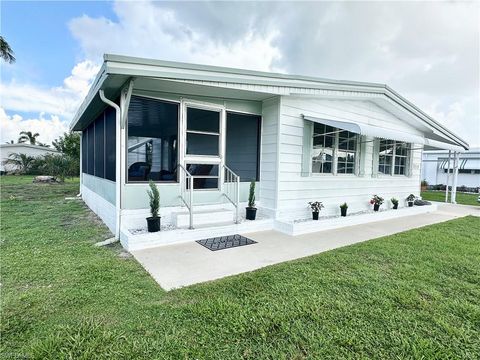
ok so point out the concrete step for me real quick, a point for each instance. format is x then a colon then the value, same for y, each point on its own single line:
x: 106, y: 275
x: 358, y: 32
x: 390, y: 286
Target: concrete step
x: 201, y: 217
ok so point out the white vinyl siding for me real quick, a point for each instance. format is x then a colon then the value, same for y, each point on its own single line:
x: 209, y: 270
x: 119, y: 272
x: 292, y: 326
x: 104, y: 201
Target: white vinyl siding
x: 295, y: 189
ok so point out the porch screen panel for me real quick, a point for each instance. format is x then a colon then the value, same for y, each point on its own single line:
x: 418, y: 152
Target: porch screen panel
x: 152, y: 140
x: 110, y: 144
x: 100, y: 146
x: 91, y: 149
x: 84, y: 150
x: 243, y: 145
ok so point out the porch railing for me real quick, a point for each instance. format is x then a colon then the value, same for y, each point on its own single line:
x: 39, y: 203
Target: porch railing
x: 231, y: 190
x: 186, y: 192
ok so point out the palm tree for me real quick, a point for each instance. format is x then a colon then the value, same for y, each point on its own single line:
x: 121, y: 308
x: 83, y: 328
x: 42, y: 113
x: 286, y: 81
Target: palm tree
x: 6, y: 52
x: 20, y: 162
x: 27, y: 136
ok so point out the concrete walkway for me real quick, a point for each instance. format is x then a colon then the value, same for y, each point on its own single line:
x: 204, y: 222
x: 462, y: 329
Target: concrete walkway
x: 185, y: 264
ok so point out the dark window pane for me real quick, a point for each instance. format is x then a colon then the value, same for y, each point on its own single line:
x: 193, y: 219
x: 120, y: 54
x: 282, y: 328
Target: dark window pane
x: 242, y: 145
x: 203, y: 120
x: 152, y: 140
x: 202, y: 144
x: 91, y: 149
x: 100, y: 146
x: 84, y: 150
x: 110, y: 144
x: 204, y: 183
x: 202, y: 169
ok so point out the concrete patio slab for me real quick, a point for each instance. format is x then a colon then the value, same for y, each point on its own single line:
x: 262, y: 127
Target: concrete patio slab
x: 174, y: 266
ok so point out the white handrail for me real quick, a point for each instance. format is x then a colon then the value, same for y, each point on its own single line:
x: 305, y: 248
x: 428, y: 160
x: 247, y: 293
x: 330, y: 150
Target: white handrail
x: 231, y: 190
x: 188, y: 201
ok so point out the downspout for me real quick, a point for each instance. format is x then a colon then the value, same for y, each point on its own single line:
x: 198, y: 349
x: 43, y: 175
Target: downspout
x: 118, y: 204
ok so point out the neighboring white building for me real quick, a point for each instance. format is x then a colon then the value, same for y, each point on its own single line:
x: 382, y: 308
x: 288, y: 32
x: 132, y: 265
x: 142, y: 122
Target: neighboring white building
x: 27, y: 149
x: 435, y: 164
x: 214, y: 129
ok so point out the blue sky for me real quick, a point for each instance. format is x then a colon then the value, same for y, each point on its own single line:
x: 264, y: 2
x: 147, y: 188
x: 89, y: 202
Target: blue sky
x: 59, y: 47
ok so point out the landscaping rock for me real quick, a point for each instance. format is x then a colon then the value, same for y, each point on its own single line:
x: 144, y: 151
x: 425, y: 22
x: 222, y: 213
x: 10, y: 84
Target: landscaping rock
x: 44, y: 179
x: 419, y: 202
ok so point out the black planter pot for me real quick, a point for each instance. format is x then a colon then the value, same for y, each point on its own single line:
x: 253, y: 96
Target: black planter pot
x: 251, y: 213
x: 376, y: 207
x: 153, y: 224
x: 315, y: 215
x: 410, y: 204
x: 343, y: 211
x: 395, y: 206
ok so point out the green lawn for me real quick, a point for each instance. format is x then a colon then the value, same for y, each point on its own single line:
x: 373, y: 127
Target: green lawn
x: 411, y: 295
x: 462, y: 198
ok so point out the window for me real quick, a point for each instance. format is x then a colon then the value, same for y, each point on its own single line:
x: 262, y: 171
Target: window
x: 110, y: 144
x: 152, y: 140
x: 98, y: 146
x: 243, y: 145
x: 334, y: 150
x: 385, y: 156
x: 323, y: 146
x: 203, y: 132
x: 392, y: 157
x: 347, y: 147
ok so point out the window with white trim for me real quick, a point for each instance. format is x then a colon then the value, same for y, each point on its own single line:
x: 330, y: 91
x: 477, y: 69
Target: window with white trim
x: 334, y: 151
x: 392, y: 157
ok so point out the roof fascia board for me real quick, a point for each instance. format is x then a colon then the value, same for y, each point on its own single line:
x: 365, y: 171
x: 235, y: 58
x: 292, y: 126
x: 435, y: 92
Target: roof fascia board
x: 96, y: 85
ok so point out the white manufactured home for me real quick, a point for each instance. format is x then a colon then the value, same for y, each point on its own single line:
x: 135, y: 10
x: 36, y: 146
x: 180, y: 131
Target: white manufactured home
x: 203, y: 133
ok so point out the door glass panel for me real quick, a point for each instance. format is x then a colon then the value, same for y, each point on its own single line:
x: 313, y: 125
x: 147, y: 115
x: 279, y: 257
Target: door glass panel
x: 203, y: 120
x: 205, y: 176
x: 202, y: 144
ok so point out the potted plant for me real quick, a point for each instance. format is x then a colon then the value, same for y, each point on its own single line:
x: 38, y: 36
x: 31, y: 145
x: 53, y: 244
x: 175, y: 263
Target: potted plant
x: 376, y: 201
x: 343, y: 209
x: 316, y: 206
x: 153, y: 222
x: 410, y: 200
x: 251, y: 210
x: 395, y: 203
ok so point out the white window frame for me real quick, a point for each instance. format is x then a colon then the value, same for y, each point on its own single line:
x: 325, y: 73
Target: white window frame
x: 392, y: 164
x: 356, y: 170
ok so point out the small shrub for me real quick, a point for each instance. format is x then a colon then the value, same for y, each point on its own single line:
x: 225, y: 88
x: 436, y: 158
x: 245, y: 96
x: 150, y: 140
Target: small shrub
x: 251, y: 195
x: 344, y: 206
x: 394, y: 201
x: 154, y: 196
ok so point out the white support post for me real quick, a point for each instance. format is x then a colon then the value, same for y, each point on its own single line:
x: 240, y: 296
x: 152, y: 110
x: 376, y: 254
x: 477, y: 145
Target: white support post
x: 237, y: 200
x: 448, y: 175
x: 456, y: 159
x: 191, y: 201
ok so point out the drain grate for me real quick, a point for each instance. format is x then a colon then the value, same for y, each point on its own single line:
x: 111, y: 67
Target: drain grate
x: 225, y: 242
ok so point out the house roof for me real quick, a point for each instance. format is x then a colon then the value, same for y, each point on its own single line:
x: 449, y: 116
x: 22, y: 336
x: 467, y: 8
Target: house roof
x: 117, y: 70
x: 31, y: 146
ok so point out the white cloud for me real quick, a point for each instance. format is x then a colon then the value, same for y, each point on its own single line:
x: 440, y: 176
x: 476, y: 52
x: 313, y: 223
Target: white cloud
x: 49, y: 127
x: 59, y: 101
x: 145, y: 29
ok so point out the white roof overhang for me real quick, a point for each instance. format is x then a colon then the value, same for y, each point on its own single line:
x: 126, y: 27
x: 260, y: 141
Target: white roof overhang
x: 118, y: 70
x: 369, y: 130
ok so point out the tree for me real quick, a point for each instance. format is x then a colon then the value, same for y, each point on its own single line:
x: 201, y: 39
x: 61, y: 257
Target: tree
x: 68, y: 144
x: 6, y: 52
x: 27, y: 136
x: 21, y: 162
x: 60, y: 166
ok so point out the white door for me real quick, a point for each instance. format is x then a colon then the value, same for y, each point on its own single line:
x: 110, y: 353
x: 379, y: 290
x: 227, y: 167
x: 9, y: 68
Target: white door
x: 203, y: 138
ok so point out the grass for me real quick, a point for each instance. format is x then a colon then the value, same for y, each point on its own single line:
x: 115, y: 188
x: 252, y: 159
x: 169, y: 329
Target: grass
x: 411, y: 295
x: 462, y: 198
